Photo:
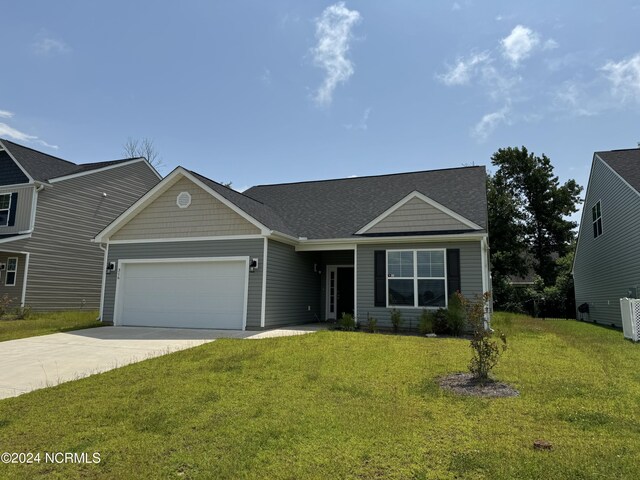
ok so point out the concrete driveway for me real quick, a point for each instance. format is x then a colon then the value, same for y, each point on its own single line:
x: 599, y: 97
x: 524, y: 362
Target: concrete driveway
x: 31, y: 363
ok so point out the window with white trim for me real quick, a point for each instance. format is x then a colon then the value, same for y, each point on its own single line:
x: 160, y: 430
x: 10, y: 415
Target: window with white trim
x: 12, y: 269
x: 416, y: 278
x: 5, y: 206
x: 596, y: 214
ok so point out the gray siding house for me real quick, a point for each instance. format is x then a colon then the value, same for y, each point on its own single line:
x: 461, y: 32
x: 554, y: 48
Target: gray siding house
x: 194, y: 253
x: 50, y: 210
x: 607, y: 260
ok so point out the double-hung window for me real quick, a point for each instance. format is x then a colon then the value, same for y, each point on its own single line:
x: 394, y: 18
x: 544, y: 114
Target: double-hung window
x: 5, y: 206
x: 596, y: 215
x: 12, y: 269
x: 416, y: 278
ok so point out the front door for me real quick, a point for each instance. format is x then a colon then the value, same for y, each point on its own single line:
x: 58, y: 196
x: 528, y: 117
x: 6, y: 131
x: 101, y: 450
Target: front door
x: 340, y: 291
x: 344, y: 289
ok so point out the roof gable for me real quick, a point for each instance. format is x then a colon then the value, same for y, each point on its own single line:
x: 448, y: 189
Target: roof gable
x: 10, y: 172
x: 156, y: 192
x: 38, y: 165
x: 204, y: 216
x: 417, y: 213
x: 625, y: 163
x: 44, y: 168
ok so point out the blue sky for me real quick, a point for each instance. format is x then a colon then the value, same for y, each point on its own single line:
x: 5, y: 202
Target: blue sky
x: 267, y: 92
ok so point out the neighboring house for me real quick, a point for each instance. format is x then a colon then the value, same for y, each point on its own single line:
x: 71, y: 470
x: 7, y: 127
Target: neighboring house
x: 193, y: 253
x: 50, y: 210
x: 607, y: 260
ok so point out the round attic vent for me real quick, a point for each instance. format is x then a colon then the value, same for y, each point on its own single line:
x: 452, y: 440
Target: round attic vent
x: 183, y: 200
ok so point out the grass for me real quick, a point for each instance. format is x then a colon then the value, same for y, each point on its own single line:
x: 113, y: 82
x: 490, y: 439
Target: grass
x: 43, y: 323
x: 345, y: 405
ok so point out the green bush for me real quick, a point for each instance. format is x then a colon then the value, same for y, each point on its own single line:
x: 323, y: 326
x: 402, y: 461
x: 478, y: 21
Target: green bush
x: 5, y: 303
x: 22, y: 313
x: 372, y: 324
x: 456, y: 314
x: 425, y: 322
x: 396, y: 320
x: 346, y: 323
x: 440, y: 324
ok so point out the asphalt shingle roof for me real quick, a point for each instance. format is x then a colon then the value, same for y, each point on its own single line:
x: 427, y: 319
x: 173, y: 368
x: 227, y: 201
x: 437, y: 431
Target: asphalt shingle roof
x: 339, y: 208
x: 258, y: 210
x: 43, y: 167
x: 626, y: 163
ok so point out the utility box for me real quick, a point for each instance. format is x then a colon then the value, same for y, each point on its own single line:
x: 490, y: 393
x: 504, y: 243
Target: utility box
x: 630, y: 308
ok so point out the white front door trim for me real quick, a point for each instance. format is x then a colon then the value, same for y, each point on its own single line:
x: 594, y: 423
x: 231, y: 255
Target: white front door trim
x: 334, y: 269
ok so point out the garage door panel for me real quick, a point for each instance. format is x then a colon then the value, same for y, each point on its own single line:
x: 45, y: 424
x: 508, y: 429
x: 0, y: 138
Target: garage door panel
x: 203, y: 294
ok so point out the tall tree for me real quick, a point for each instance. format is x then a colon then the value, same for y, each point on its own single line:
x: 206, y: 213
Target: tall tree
x: 506, y: 227
x: 134, y: 148
x: 542, y: 205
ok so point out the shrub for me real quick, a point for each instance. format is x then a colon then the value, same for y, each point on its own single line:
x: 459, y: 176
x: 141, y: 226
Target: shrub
x: 396, y: 320
x: 22, y: 313
x: 346, y: 322
x: 5, y: 302
x: 440, y: 325
x: 486, y: 351
x: 425, y: 322
x: 456, y: 314
x: 372, y: 324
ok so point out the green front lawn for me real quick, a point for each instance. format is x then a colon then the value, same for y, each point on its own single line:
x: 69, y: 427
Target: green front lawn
x: 345, y: 405
x: 48, y: 322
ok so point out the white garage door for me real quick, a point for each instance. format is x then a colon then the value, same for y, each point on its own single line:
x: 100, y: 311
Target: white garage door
x: 203, y: 293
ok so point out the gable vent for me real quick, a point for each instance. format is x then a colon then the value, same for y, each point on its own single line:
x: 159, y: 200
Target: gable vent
x: 183, y: 200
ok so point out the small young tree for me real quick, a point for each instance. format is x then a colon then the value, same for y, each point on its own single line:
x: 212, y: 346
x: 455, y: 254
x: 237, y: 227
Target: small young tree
x: 396, y: 320
x: 486, y: 350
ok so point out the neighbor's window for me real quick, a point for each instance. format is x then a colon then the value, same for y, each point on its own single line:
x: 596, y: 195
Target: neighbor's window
x: 416, y: 278
x: 12, y: 268
x: 597, y: 220
x: 5, y: 204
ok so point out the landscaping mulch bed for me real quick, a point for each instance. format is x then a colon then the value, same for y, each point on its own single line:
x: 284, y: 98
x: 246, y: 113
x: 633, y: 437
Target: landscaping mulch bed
x: 467, y: 384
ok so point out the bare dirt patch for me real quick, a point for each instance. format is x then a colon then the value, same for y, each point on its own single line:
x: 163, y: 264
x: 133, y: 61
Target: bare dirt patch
x: 467, y: 384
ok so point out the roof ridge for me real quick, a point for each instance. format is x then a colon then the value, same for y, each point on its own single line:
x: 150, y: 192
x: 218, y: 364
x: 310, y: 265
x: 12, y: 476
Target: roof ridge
x: 111, y: 161
x: 228, y: 188
x: 620, y: 150
x: 37, y: 151
x: 367, y: 176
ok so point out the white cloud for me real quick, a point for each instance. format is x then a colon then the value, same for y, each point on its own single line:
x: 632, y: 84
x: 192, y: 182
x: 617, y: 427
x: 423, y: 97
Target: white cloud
x: 46, y: 45
x: 10, y: 132
x: 456, y: 6
x: 265, y: 78
x: 489, y: 122
x: 333, y: 32
x: 519, y: 44
x: 5, y: 114
x: 624, y: 77
x: 363, y: 124
x: 461, y: 72
x: 573, y: 98
x: 550, y: 44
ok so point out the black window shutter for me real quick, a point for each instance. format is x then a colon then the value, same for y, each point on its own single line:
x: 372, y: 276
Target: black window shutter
x: 12, y: 209
x: 453, y: 270
x: 380, y: 272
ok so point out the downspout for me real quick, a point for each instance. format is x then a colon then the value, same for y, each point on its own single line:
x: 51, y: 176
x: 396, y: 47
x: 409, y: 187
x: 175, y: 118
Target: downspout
x: 104, y: 278
x: 24, y: 279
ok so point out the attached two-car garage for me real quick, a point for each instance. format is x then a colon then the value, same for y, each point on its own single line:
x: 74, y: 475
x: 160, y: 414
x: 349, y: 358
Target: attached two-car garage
x: 184, y: 293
